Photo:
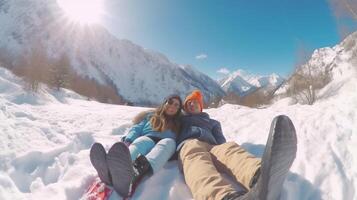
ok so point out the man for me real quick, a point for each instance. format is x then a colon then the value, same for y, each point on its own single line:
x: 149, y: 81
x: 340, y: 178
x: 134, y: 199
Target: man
x: 204, y: 155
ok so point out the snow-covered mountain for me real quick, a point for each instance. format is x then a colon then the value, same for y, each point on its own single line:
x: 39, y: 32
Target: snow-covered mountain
x: 235, y: 84
x: 242, y: 83
x: 46, y: 136
x: 336, y: 61
x: 141, y: 76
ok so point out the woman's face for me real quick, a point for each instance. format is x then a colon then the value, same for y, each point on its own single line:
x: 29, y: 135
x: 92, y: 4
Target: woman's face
x: 172, y: 106
x: 193, y: 106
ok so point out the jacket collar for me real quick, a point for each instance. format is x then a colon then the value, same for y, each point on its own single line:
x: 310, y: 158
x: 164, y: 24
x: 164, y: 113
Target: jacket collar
x: 201, y: 114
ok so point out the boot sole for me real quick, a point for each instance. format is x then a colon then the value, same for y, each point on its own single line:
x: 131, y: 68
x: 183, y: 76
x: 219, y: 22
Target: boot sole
x: 120, y: 167
x: 278, y: 157
x: 98, y: 159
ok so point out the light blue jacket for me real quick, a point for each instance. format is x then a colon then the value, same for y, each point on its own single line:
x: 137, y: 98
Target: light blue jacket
x: 144, y: 128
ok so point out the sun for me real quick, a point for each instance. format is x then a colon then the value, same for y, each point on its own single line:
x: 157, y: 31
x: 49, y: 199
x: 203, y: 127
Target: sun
x: 83, y: 11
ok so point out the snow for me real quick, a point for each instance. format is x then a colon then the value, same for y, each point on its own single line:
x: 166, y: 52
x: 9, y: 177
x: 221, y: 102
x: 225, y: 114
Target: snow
x: 235, y: 83
x: 96, y: 53
x: 45, y: 137
x: 242, y: 82
x: 45, y: 140
x: 340, y: 60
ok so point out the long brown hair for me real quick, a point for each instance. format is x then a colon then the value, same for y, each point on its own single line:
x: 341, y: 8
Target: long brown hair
x: 161, y: 122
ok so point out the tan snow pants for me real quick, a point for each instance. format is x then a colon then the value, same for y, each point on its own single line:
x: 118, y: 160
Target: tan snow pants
x: 202, y: 165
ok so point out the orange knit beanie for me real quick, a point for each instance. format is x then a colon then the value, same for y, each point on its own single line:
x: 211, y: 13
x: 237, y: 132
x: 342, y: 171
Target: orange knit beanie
x: 195, y: 95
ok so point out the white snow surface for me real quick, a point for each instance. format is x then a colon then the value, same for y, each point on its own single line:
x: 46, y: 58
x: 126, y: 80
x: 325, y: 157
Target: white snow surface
x: 45, y: 140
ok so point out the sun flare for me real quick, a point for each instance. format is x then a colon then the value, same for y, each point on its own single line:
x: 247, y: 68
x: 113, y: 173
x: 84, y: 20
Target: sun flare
x: 83, y: 11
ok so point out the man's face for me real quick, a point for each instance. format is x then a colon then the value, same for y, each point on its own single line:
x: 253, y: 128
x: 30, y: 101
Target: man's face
x: 193, y: 107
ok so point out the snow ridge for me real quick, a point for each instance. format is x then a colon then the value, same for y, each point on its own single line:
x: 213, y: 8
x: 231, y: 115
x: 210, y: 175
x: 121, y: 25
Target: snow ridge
x: 242, y: 83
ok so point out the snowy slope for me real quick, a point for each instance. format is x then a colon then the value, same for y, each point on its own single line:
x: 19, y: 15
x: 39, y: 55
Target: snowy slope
x: 338, y: 59
x: 45, y: 140
x: 94, y: 52
x: 242, y: 83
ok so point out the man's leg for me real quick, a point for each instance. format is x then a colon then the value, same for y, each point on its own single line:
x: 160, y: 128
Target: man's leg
x: 279, y: 155
x: 236, y: 161
x: 200, y: 173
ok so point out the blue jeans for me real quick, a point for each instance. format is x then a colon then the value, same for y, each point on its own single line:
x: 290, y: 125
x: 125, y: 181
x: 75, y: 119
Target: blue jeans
x: 157, y: 154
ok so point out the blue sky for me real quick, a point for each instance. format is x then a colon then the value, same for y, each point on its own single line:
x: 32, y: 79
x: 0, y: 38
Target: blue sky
x: 261, y: 37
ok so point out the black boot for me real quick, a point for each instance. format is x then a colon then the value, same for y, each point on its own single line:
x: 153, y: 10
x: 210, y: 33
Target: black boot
x: 240, y: 194
x: 234, y: 195
x: 98, y: 158
x: 254, y: 179
x: 141, y: 168
x: 120, y: 167
x: 279, y: 154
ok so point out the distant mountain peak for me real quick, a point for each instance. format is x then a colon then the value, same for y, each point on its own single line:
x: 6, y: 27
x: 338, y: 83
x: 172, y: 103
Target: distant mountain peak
x: 241, y: 82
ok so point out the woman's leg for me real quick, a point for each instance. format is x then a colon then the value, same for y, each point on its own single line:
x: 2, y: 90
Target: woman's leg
x: 142, y: 145
x: 161, y: 153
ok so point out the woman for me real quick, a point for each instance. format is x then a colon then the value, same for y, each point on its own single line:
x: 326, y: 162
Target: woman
x: 146, y: 148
